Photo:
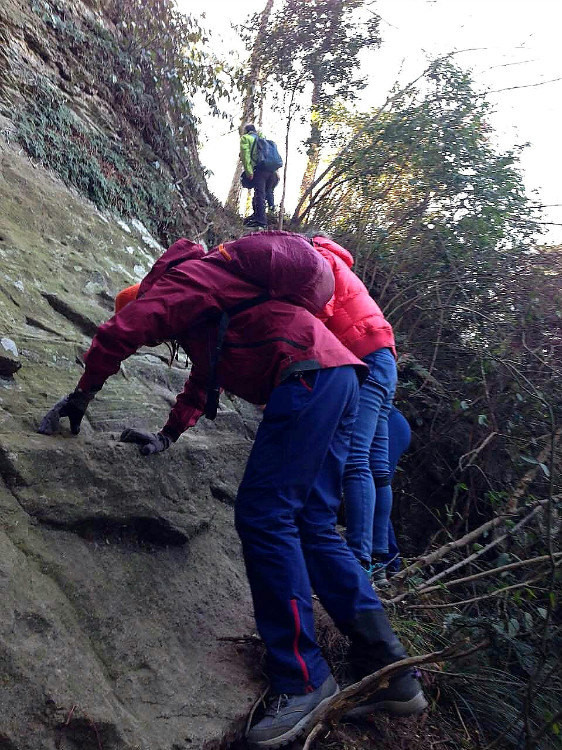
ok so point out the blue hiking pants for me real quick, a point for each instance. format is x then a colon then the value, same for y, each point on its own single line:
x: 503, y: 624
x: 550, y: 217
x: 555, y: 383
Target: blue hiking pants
x: 367, y: 490
x: 286, y: 516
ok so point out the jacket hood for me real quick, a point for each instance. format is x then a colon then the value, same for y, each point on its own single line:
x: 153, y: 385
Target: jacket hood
x: 177, y: 253
x: 334, y: 248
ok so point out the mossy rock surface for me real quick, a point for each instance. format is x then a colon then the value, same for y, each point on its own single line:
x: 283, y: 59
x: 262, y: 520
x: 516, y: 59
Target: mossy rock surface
x: 119, y: 575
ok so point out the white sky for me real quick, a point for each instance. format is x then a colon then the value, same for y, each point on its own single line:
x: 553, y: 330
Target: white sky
x: 515, y: 43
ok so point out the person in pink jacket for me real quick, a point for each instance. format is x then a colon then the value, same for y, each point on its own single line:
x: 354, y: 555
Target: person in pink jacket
x: 354, y: 317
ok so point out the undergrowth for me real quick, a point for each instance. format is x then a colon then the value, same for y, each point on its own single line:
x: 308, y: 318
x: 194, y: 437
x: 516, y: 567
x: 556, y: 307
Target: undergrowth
x: 98, y: 166
x: 130, y: 144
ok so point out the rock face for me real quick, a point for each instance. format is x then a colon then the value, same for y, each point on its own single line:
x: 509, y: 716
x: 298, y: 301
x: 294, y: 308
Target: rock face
x: 9, y: 357
x: 119, y: 575
x: 78, y: 94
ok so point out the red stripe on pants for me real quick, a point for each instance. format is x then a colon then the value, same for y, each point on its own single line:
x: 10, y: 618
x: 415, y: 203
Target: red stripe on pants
x: 304, y: 668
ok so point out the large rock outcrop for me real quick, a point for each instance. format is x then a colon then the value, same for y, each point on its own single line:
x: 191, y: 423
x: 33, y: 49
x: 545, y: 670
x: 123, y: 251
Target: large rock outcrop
x: 119, y: 575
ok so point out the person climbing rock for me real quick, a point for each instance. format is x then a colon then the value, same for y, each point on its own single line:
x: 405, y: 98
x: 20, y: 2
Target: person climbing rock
x: 260, y: 174
x: 356, y: 320
x: 259, y: 295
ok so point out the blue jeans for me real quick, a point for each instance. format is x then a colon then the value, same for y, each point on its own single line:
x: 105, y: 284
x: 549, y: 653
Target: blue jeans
x: 367, y: 490
x: 286, y: 518
x: 399, y: 436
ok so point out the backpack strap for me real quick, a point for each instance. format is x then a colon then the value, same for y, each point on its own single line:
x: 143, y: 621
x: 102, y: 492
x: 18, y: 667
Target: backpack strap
x: 213, y: 388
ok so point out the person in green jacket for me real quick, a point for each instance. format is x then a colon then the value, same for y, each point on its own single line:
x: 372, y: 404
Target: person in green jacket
x: 262, y: 180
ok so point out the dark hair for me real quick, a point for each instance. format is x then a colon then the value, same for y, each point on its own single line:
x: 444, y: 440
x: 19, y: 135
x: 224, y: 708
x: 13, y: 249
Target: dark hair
x: 249, y: 128
x: 312, y: 233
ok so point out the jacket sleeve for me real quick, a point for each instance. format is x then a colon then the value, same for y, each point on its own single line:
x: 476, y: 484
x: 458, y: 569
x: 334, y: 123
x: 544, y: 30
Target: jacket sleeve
x: 189, y: 406
x: 246, y: 143
x: 162, y: 314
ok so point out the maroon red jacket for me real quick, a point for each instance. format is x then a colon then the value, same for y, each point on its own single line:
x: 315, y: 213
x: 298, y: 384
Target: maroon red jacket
x: 263, y: 345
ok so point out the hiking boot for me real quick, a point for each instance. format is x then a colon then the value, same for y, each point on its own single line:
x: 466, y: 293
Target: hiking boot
x: 251, y: 222
x: 376, y: 571
x: 288, y: 717
x: 378, y: 574
x: 374, y: 645
x: 402, y: 697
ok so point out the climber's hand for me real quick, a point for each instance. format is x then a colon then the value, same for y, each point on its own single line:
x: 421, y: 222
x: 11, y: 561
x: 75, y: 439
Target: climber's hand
x: 150, y: 442
x: 72, y: 406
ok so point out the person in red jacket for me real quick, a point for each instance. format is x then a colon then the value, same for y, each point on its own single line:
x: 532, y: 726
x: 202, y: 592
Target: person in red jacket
x: 354, y: 317
x: 277, y: 352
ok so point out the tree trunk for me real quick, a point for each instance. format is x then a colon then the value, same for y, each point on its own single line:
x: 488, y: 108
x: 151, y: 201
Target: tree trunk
x: 287, y: 131
x: 248, y: 103
x: 314, y: 140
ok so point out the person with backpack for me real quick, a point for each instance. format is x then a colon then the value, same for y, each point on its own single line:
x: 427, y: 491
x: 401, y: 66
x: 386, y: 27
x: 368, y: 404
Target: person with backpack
x: 356, y: 320
x: 245, y: 313
x: 260, y: 160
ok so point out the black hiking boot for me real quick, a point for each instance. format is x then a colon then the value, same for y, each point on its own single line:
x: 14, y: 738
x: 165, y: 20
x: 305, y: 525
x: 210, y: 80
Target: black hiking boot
x: 374, y: 645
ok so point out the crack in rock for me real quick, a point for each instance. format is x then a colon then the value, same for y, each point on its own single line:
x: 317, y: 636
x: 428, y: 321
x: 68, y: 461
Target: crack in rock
x: 82, y: 322
x: 138, y: 531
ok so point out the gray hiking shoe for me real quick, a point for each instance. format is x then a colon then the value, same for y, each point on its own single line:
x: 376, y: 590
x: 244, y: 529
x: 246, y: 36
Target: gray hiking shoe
x: 288, y: 717
x: 403, y: 697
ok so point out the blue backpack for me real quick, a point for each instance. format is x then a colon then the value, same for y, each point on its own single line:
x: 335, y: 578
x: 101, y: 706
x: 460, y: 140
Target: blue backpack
x: 268, y: 157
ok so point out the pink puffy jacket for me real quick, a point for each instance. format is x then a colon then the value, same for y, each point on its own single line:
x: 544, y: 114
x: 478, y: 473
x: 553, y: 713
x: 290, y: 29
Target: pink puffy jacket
x: 352, y: 315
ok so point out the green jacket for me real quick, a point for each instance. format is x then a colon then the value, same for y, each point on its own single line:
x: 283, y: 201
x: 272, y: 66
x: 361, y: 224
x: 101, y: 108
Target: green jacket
x: 248, y: 159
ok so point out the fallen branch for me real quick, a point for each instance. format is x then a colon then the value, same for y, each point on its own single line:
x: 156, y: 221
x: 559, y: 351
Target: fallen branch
x: 522, y: 485
x: 347, y: 698
x: 489, y: 546
x: 484, y: 573
x: 426, y: 560
x: 471, y: 536
x: 477, y: 598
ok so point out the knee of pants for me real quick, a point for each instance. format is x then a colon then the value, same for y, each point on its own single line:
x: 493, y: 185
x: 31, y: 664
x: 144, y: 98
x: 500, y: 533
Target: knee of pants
x: 382, y: 480
x: 357, y: 464
x: 251, y: 522
x: 316, y: 533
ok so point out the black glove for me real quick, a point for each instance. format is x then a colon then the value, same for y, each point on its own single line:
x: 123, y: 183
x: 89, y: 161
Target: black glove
x: 72, y: 406
x: 150, y: 442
